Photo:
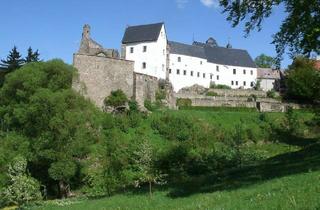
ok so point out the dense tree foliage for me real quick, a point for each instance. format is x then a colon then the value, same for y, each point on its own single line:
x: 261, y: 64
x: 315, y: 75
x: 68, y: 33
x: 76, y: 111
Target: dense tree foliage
x: 299, y: 32
x: 303, y: 81
x: 264, y: 61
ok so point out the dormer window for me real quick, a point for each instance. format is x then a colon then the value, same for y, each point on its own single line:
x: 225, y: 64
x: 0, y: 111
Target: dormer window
x: 144, y: 48
x: 179, y: 59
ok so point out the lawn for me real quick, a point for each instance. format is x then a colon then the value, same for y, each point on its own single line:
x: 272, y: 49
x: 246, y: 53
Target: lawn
x: 288, y: 177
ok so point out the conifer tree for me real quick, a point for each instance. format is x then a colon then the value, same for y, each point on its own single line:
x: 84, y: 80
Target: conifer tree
x: 13, y: 61
x: 32, y: 56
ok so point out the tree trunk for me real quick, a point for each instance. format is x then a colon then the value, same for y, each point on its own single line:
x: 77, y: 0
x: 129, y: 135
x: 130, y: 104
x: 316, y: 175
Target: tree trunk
x: 64, y: 189
x: 150, y: 188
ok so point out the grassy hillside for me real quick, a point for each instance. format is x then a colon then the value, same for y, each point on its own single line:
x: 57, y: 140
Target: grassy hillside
x: 287, y: 181
x: 285, y: 177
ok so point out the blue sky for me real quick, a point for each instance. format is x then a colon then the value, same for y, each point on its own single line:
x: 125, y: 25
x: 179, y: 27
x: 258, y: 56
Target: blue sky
x: 54, y: 26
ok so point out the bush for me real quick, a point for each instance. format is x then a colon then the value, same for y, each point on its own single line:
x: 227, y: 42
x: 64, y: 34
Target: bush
x: 184, y: 102
x: 160, y: 95
x: 211, y: 93
x: 22, y: 188
x: 271, y: 94
x: 133, y: 106
x: 173, y: 127
x: 116, y: 99
x: 213, y: 86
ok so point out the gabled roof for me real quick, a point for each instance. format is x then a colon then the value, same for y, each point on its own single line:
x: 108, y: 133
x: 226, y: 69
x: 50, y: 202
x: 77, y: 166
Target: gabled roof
x: 185, y: 49
x: 229, y: 56
x: 142, y: 33
x: 218, y: 55
x: 268, y: 73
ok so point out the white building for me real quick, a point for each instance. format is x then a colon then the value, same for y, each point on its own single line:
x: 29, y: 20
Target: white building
x: 268, y: 78
x: 147, y: 46
x: 186, y: 65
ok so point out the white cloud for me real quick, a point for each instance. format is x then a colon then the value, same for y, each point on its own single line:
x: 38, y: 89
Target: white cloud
x: 210, y: 3
x: 181, y: 4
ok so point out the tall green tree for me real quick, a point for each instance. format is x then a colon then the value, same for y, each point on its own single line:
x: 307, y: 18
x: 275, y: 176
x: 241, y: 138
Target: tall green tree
x: 303, y: 81
x: 38, y: 103
x: 299, y: 32
x: 13, y: 61
x: 32, y: 56
x: 265, y: 61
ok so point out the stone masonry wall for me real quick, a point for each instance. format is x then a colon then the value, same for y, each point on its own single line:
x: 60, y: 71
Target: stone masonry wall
x: 98, y: 76
x: 144, y: 88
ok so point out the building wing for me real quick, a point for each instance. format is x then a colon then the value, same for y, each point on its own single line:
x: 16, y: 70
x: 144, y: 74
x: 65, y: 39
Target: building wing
x: 188, y: 50
x: 229, y: 56
x: 142, y: 33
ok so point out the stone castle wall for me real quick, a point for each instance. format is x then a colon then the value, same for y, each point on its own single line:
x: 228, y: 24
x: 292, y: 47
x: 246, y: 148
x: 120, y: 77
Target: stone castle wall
x: 99, y: 75
x: 144, y: 88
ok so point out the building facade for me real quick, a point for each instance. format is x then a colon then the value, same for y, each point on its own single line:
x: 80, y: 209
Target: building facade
x: 185, y: 65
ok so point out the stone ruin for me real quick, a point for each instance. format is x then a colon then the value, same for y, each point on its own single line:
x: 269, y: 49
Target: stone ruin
x: 90, y: 47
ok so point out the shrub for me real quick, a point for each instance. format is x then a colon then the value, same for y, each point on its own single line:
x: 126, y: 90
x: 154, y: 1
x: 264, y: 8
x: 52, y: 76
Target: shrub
x: 184, y: 102
x: 133, y: 106
x: 116, y: 99
x: 214, y: 86
x: 271, y: 94
x: 22, y: 188
x: 148, y: 105
x: 211, y: 93
x: 258, y: 85
x: 160, y: 95
x: 173, y: 127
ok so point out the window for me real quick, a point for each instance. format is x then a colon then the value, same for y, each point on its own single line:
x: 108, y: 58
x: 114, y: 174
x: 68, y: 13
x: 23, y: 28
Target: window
x: 211, y: 75
x: 234, y: 71
x: 217, y: 68
x: 144, y: 48
x: 218, y: 77
x: 237, y: 83
x: 252, y: 84
x: 144, y: 65
x: 251, y: 72
x: 164, y: 52
x: 191, y: 73
x: 232, y: 82
x: 198, y: 74
x: 204, y: 75
x: 244, y: 83
x: 131, y: 49
x: 170, y: 71
x: 178, y: 71
x: 179, y: 59
x: 244, y: 71
x: 200, y: 62
x: 184, y: 72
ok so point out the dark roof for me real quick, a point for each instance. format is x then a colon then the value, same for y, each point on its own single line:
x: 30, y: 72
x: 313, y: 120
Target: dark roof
x: 218, y: 55
x: 142, y: 33
x: 229, y: 56
x: 185, y: 49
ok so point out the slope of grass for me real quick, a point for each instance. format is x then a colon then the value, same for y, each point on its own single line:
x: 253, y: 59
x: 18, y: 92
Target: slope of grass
x: 299, y: 191
x: 288, y: 178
